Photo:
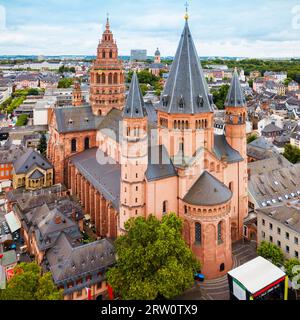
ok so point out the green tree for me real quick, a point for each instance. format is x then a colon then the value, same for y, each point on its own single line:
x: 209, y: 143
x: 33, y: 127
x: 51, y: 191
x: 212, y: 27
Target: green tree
x: 28, y: 283
x: 271, y: 252
x: 289, y: 265
x: 42, y: 147
x: 22, y: 120
x: 251, y: 138
x: 292, y: 153
x: 65, y: 83
x: 153, y: 260
x: 220, y: 96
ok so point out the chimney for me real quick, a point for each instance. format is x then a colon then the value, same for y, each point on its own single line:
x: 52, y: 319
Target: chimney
x: 57, y: 220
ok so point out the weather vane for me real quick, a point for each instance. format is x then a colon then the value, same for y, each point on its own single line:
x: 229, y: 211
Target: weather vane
x: 186, y: 17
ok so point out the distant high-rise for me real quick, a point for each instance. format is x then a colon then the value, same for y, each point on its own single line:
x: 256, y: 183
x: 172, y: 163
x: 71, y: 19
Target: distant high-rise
x: 138, y: 55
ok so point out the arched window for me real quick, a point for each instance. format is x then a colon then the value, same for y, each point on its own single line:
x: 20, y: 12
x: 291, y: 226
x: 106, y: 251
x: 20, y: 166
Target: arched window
x: 181, y: 148
x: 222, y: 267
x: 115, y: 78
x: 198, y: 234
x: 103, y: 80
x: 110, y: 78
x: 86, y: 143
x: 231, y: 186
x: 110, y: 54
x: 103, y: 54
x: 74, y: 145
x: 220, y: 232
x: 165, y: 207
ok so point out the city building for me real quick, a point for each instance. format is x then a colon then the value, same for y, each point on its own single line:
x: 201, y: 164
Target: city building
x: 32, y: 171
x: 119, y: 159
x: 79, y: 270
x: 281, y: 225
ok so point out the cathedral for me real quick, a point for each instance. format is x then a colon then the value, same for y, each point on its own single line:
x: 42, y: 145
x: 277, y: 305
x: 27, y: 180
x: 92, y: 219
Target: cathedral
x: 124, y: 158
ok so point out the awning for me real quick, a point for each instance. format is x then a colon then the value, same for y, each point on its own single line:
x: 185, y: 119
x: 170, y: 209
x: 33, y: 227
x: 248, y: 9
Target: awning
x: 13, y: 222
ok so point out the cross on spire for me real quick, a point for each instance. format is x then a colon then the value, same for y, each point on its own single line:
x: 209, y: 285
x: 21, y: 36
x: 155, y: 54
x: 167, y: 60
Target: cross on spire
x: 107, y: 22
x: 186, y: 17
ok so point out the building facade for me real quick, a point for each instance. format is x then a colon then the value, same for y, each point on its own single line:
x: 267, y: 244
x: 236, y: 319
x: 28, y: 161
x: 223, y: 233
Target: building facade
x: 141, y: 161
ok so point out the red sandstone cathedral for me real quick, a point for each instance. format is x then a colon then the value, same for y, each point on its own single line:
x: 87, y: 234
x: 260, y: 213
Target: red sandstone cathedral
x: 124, y: 158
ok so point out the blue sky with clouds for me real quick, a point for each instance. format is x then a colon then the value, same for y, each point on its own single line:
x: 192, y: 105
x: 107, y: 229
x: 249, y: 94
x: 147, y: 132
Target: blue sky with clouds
x: 256, y: 28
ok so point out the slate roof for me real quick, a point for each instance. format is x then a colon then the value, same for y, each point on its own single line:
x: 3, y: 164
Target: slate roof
x: 159, y: 164
x: 134, y: 107
x: 208, y: 191
x: 11, y: 154
x: 223, y: 149
x: 104, y: 177
x: 235, y: 97
x: 186, y: 90
x: 36, y: 175
x: 68, y: 262
x: 43, y: 222
x: 28, y: 160
x: 271, y: 128
x: 75, y: 119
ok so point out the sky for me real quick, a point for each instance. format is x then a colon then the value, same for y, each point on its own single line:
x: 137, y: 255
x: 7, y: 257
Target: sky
x: 256, y: 28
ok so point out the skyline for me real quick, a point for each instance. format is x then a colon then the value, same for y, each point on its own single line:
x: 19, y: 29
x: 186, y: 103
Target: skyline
x: 219, y: 28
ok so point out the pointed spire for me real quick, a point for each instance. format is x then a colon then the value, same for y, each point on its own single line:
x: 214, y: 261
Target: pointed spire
x: 235, y: 97
x: 186, y: 17
x: 135, y: 103
x: 186, y: 90
x: 107, y: 22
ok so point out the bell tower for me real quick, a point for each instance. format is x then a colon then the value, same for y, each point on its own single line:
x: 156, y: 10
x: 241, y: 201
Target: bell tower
x: 77, y: 99
x: 134, y: 161
x: 236, y: 114
x: 107, y: 83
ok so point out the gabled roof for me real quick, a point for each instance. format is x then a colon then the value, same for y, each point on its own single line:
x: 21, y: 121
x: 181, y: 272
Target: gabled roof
x: 235, y: 97
x: 134, y: 107
x: 186, y: 90
x: 28, y: 160
x: 75, y: 119
x: 69, y: 262
x: 36, y: 175
x: 271, y: 128
x: 208, y: 191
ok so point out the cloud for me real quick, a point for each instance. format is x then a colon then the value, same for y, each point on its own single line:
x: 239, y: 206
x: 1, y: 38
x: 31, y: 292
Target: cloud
x: 219, y: 27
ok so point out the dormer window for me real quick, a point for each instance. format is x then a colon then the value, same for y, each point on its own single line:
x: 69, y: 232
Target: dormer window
x: 181, y: 102
x: 165, y: 100
x: 86, y: 119
x: 200, y: 101
x: 70, y: 121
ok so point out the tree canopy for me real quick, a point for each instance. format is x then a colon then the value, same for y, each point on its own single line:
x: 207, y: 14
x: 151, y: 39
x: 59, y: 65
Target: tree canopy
x: 292, y: 153
x: 220, y: 96
x: 153, y: 260
x: 65, y: 83
x: 289, y: 266
x: 271, y: 252
x: 22, y: 120
x: 42, y: 147
x: 28, y: 283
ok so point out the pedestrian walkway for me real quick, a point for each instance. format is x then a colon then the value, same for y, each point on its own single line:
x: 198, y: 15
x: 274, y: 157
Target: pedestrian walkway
x: 218, y: 289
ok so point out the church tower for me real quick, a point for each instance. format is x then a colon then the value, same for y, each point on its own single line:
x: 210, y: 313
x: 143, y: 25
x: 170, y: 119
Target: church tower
x: 236, y: 113
x: 235, y: 131
x: 107, y: 88
x: 77, y: 99
x: 134, y: 160
x: 185, y: 114
x: 157, y: 58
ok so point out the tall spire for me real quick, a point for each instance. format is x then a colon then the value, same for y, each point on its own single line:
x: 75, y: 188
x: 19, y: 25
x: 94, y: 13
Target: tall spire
x: 107, y: 22
x: 135, y: 103
x: 235, y: 97
x: 186, y: 90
